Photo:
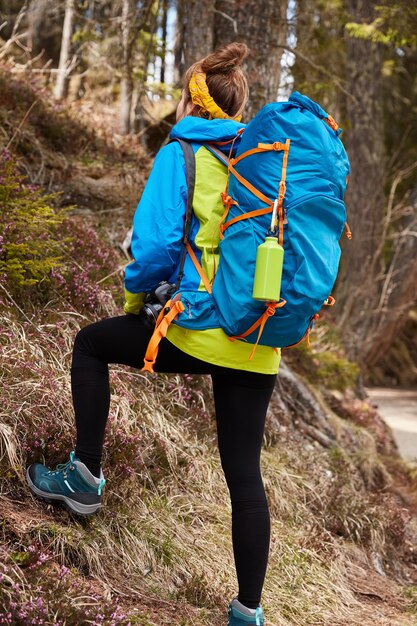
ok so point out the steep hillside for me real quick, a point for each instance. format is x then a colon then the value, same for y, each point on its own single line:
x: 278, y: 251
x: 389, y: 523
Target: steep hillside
x: 343, y: 504
x: 399, y: 365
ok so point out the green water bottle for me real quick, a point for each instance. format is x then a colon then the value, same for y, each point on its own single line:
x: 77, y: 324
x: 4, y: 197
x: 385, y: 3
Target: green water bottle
x: 268, y: 268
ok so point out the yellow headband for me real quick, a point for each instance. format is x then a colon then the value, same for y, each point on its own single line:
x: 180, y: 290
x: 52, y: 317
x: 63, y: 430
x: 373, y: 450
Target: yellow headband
x: 200, y: 95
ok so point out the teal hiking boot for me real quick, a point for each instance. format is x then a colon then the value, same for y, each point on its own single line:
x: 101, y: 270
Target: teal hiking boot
x: 71, y: 483
x: 240, y: 615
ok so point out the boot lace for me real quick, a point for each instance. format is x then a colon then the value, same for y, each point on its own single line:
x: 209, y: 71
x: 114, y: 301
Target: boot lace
x: 62, y: 468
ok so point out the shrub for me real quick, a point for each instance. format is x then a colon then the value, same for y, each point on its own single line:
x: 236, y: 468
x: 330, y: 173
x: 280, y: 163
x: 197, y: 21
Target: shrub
x: 29, y: 244
x: 46, y: 253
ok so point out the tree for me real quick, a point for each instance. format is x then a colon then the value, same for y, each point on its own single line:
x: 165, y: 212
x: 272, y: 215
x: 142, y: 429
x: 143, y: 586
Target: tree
x: 135, y: 16
x: 126, y: 82
x: 164, y: 35
x: 398, y: 289
x: 359, y: 281
x: 61, y: 86
x: 378, y: 283
x: 194, y: 39
x: 262, y: 25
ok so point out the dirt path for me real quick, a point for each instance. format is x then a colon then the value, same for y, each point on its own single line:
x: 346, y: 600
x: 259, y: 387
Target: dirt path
x: 398, y: 407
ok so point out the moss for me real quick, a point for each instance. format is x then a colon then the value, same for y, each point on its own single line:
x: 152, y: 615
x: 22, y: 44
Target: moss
x: 20, y: 558
x: 335, y: 372
x: 329, y: 369
x: 410, y: 594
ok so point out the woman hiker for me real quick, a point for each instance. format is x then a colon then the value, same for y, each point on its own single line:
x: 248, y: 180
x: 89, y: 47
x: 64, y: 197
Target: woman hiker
x: 214, y: 96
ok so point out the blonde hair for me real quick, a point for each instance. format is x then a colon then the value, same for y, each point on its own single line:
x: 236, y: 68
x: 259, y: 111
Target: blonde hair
x: 225, y: 78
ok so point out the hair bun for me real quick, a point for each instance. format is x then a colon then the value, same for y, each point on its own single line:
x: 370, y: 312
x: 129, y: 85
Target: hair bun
x: 226, y: 59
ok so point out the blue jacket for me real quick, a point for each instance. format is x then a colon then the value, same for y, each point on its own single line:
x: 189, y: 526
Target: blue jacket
x: 158, y: 225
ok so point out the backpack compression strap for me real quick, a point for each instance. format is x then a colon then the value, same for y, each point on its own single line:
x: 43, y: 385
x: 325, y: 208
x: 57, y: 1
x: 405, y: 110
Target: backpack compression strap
x: 262, y: 147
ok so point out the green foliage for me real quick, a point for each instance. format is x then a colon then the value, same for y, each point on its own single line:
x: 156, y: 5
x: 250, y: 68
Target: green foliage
x: 395, y: 25
x: 29, y: 245
x: 47, y: 255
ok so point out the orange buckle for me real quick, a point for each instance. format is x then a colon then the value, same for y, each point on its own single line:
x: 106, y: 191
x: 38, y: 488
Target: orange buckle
x: 227, y: 200
x: 282, y: 191
x: 332, y: 123
x: 148, y: 366
x: 329, y: 301
x: 348, y: 231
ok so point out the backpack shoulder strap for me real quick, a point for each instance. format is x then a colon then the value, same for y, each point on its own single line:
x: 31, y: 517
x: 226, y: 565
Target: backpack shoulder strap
x: 217, y: 153
x: 189, y: 159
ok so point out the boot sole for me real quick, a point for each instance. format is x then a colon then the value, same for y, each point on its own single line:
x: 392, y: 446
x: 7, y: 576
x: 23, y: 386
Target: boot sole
x: 71, y: 505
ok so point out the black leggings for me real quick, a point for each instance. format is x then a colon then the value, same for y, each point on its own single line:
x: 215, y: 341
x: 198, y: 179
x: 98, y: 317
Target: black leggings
x: 241, y: 402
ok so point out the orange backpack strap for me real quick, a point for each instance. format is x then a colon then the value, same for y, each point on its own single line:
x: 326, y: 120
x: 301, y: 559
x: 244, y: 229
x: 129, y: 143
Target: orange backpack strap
x: 248, y: 185
x: 271, y: 307
x: 174, y: 307
x: 162, y: 324
x: 198, y: 267
x: 245, y: 216
x: 262, y: 147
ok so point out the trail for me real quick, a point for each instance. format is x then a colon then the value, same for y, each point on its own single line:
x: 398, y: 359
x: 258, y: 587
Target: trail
x: 398, y: 408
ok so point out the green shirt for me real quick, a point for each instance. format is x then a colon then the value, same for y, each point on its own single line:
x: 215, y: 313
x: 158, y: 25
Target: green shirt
x: 213, y: 346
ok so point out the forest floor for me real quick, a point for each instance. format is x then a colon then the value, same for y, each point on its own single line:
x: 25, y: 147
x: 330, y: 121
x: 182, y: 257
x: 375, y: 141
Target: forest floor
x: 343, y: 504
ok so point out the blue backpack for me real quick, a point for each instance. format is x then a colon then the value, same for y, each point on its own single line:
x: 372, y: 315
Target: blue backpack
x: 291, y: 153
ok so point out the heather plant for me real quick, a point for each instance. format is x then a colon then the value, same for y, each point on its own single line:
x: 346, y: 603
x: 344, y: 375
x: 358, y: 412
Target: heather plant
x: 35, y: 590
x: 88, y: 265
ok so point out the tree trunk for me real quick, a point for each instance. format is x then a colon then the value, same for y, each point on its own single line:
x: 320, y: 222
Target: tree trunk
x: 135, y: 17
x: 126, y: 84
x: 164, y: 39
x: 399, y: 289
x: 62, y: 80
x: 126, y: 96
x: 194, y: 40
x: 142, y: 64
x: 262, y: 25
x: 361, y: 271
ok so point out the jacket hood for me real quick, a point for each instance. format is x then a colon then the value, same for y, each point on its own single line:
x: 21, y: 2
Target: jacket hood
x: 200, y: 130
